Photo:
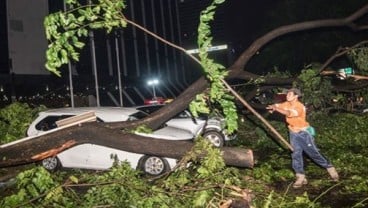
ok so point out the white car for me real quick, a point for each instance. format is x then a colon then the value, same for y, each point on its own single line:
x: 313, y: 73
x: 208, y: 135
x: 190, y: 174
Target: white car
x: 93, y: 156
x: 184, y: 126
x: 97, y: 157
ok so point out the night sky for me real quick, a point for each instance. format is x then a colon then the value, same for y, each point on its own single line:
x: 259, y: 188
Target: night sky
x: 244, y: 17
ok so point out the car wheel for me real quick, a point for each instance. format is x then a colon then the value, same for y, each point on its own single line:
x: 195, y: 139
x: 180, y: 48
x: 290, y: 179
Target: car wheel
x: 215, y: 137
x: 51, y: 163
x: 153, y: 165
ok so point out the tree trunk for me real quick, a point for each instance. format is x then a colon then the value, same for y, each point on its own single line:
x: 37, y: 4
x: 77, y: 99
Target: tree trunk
x: 47, y: 145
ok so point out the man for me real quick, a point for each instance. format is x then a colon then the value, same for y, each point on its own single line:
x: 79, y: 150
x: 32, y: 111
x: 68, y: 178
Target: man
x: 301, y: 140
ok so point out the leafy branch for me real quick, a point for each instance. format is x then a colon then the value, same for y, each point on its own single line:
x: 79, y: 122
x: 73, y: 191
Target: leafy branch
x: 67, y: 29
x: 352, y: 51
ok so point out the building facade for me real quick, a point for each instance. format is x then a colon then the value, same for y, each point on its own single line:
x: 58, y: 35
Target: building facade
x: 117, y: 64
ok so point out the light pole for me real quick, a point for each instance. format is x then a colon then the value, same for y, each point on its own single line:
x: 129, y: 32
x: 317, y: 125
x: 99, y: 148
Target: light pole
x: 153, y: 83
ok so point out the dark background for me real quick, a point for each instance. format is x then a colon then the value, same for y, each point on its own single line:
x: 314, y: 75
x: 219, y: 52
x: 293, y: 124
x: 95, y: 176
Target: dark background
x: 237, y: 23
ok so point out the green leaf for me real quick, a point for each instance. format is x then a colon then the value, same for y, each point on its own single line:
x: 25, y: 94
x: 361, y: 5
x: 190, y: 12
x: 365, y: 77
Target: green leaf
x: 81, y: 19
x: 79, y: 44
x: 74, y: 179
x: 201, y: 199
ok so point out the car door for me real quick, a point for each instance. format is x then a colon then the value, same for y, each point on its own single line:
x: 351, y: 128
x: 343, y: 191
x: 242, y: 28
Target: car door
x: 76, y: 156
x: 102, y: 157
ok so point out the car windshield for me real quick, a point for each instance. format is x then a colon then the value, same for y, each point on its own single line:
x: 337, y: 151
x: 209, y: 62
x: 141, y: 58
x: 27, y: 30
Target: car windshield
x: 143, y: 112
x: 138, y: 115
x: 150, y: 109
x: 50, y: 122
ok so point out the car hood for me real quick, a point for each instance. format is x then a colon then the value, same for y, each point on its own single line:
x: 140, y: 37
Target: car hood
x: 169, y: 133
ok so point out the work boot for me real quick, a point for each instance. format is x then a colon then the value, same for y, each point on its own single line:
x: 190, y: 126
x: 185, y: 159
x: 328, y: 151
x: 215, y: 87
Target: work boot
x: 300, y: 181
x: 333, y: 173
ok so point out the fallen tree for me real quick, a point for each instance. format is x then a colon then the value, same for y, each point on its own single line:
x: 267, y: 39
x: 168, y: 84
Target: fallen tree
x: 48, y: 145
x: 122, y: 139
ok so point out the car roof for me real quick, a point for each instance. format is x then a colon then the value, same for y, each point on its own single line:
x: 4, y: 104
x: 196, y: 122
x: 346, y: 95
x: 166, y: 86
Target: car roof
x: 86, y: 109
x: 104, y: 113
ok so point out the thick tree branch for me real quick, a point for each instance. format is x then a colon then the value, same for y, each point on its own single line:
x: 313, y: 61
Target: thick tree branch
x: 341, y: 52
x: 34, y: 149
x: 241, y: 62
x: 164, y: 114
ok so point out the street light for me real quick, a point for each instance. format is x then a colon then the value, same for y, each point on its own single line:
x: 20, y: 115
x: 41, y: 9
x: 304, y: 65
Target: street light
x: 153, y: 83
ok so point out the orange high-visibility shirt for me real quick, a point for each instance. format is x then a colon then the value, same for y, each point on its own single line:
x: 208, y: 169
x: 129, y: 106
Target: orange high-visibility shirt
x: 297, y: 117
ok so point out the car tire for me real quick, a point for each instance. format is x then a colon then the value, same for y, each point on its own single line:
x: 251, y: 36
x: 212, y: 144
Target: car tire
x: 153, y: 165
x: 51, y: 163
x: 215, y: 137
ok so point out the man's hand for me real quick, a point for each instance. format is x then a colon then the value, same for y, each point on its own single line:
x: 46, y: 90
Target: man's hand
x: 271, y: 108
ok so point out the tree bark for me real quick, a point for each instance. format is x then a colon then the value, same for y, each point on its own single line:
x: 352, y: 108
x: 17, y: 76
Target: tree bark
x: 51, y: 144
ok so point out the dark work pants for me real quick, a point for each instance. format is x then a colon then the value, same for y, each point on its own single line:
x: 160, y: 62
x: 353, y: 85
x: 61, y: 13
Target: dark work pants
x: 304, y: 142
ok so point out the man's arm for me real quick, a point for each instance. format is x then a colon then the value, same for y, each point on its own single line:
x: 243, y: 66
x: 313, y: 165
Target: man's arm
x: 277, y: 108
